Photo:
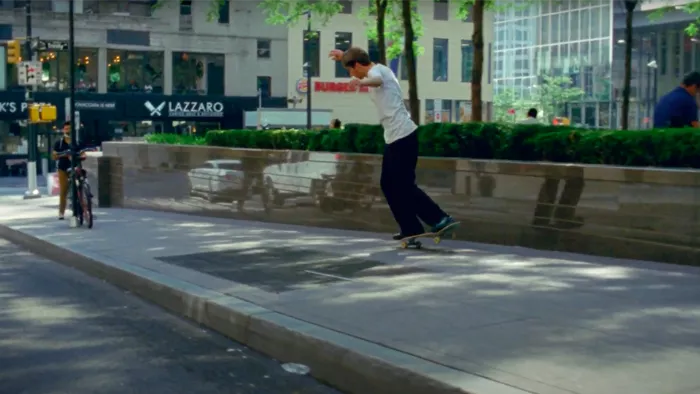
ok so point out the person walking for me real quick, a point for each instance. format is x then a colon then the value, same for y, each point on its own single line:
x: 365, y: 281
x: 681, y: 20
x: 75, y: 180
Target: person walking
x: 531, y: 117
x: 62, y: 153
x: 408, y: 203
x: 679, y: 107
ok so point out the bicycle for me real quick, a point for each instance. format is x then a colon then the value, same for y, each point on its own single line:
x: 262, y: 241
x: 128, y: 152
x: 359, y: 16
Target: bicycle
x: 78, y: 176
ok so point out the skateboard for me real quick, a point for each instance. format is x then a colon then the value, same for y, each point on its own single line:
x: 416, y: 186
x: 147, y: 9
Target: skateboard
x: 437, y: 237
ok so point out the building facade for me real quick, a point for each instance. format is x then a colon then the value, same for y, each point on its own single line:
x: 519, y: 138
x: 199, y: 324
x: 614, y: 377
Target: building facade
x: 141, y: 69
x: 584, y: 40
x: 444, y: 69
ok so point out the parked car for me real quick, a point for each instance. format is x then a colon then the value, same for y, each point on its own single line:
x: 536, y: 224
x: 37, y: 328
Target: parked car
x: 217, y: 180
x: 332, y: 182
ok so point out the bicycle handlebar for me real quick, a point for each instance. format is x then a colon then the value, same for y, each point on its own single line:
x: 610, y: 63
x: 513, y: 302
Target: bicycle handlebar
x: 68, y: 152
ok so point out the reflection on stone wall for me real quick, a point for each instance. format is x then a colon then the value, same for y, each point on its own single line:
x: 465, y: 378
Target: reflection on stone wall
x: 640, y: 213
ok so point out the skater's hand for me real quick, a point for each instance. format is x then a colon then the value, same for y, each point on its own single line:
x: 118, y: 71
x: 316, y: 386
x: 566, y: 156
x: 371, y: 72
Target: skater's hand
x: 354, y: 84
x: 336, y: 54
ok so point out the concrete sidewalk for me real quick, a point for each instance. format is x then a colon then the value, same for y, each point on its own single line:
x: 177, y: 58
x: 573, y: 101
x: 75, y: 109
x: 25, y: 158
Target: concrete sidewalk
x: 371, y: 318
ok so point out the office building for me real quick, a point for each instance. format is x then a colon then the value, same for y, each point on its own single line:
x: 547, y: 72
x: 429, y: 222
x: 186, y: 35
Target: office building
x: 584, y: 40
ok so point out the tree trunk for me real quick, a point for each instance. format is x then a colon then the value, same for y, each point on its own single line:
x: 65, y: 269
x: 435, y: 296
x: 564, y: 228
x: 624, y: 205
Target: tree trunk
x: 478, y: 67
x: 381, y: 20
x: 630, y: 5
x: 409, y: 38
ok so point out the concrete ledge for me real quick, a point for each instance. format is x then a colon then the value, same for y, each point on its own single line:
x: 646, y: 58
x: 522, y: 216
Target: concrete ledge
x: 348, y: 363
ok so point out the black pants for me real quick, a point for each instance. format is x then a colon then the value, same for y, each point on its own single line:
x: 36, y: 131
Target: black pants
x: 407, y: 201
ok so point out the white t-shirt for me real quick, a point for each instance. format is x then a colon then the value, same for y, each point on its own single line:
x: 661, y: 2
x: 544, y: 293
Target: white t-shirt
x: 388, y: 98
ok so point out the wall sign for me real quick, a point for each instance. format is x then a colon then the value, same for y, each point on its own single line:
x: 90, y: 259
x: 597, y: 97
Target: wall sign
x: 186, y: 109
x: 12, y: 107
x: 337, y: 87
x: 302, y: 87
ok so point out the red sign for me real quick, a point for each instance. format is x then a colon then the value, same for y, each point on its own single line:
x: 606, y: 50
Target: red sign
x: 511, y: 111
x: 336, y: 87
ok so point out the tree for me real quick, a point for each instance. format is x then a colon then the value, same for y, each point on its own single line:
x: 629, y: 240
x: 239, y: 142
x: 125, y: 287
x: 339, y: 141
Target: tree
x: 409, y: 41
x: 552, y: 95
x: 505, y: 101
x: 390, y: 42
x: 289, y: 12
x: 476, y: 9
x: 630, y: 5
x: 691, y: 7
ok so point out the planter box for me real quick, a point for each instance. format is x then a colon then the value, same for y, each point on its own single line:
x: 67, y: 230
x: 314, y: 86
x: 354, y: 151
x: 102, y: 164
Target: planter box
x: 639, y: 213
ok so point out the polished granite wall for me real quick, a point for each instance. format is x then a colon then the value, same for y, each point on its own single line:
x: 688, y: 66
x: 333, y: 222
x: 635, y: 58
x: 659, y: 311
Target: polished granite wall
x: 643, y: 213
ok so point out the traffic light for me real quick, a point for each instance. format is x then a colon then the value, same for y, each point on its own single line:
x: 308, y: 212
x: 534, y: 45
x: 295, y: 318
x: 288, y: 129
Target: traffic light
x: 14, y: 52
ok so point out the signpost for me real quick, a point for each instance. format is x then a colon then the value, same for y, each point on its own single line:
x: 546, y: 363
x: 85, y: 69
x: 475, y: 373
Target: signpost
x: 52, y: 45
x: 29, y: 73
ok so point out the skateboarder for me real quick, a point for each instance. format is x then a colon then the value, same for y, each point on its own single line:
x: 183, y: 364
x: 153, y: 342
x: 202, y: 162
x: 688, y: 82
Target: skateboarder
x: 407, y: 201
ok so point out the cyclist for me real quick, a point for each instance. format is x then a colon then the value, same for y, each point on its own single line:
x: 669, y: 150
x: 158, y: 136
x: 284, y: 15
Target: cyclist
x: 62, y: 153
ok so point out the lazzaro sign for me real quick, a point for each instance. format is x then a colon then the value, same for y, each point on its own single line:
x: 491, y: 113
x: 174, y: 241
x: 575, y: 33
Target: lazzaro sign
x: 185, y: 109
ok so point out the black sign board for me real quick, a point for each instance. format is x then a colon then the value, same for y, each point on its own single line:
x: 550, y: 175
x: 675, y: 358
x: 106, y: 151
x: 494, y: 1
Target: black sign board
x: 52, y: 45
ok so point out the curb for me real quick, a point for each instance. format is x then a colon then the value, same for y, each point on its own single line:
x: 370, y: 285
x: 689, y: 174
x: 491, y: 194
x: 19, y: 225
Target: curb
x: 347, y: 363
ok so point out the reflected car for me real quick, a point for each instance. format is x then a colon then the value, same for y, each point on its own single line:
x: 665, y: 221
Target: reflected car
x: 217, y: 180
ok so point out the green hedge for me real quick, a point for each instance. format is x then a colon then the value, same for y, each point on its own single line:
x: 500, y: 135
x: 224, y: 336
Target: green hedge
x: 658, y: 147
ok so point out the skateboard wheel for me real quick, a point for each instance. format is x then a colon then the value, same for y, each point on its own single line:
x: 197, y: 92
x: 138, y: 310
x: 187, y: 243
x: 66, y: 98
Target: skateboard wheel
x: 454, y: 235
x: 404, y: 245
x: 437, y: 240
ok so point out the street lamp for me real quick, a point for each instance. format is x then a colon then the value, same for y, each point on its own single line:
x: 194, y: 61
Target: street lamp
x: 75, y: 158
x: 32, y: 140
x: 307, y: 69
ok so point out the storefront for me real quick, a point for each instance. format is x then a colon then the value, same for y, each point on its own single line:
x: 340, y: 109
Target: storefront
x: 112, y: 116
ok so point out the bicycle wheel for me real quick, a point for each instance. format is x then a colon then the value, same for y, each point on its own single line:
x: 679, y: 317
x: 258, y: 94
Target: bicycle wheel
x: 85, y: 206
x: 88, y: 205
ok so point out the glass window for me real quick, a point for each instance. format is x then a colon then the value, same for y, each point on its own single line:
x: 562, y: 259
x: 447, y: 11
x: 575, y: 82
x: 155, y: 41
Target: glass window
x: 224, y: 11
x: 440, y: 59
x: 564, y: 27
x: 575, y: 33
x: 555, y: 28
x: 312, y: 42
x: 596, y: 27
x: 676, y: 57
x: 265, y: 86
x: 134, y: 71
x: 447, y: 110
x: 404, y: 68
x: 544, y: 30
x: 347, y: 6
x: 468, y: 60
x: 429, y: 110
x: 343, y: 41
x: 585, y: 24
x: 55, y: 70
x: 441, y: 10
x: 185, y: 7
x: 663, y: 59
x: 605, y: 22
x: 264, y: 49
x: 198, y: 73
x: 464, y: 110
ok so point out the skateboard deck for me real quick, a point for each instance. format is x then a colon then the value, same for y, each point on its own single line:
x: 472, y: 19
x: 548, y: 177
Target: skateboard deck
x: 437, y: 237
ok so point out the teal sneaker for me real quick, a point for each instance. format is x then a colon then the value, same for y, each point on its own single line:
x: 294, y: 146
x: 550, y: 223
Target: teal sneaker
x: 447, y: 221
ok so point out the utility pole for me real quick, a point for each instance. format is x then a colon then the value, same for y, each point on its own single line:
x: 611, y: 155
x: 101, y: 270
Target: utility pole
x: 75, y: 156
x: 32, y: 143
x: 309, y: 124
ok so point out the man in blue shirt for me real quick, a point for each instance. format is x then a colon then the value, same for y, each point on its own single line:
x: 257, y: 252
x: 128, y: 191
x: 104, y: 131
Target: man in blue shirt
x: 679, y: 107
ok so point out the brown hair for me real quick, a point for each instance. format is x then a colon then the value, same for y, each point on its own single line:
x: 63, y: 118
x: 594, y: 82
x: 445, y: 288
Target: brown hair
x: 354, y: 56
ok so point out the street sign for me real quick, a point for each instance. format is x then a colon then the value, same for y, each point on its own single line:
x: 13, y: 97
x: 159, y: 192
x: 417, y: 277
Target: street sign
x: 29, y: 73
x: 52, y: 45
